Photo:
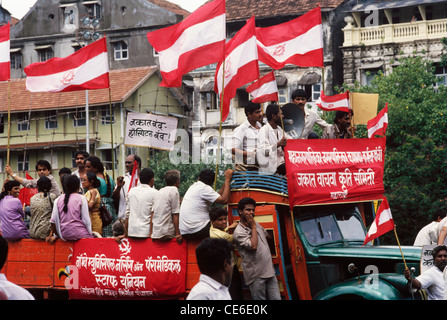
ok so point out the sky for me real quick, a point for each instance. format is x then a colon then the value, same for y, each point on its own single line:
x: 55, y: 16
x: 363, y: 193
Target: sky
x: 18, y: 8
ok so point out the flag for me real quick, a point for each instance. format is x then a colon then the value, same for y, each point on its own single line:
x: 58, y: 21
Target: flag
x: 85, y: 69
x: 298, y: 42
x: 241, y: 65
x: 338, y: 102
x: 382, y: 223
x: 378, y: 124
x: 134, y: 177
x: 264, y: 89
x: 197, y: 41
x: 26, y: 194
x: 5, y: 65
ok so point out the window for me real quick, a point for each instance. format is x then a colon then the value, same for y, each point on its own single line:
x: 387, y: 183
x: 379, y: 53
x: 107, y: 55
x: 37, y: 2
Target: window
x: 23, y: 123
x: 441, y: 73
x: 105, y: 117
x: 283, y: 95
x: 79, y: 119
x: 210, y: 100
x: 51, y: 120
x: 93, y: 10
x: 70, y: 15
x: 316, y: 91
x: 16, y: 61
x: 120, y: 50
x: 23, y: 162
x: 368, y: 75
x: 45, y: 54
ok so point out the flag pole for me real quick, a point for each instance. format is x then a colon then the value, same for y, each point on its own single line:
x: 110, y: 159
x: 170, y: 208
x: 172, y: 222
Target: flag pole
x: 220, y: 123
x: 400, y: 248
x: 9, y: 121
x: 111, y: 133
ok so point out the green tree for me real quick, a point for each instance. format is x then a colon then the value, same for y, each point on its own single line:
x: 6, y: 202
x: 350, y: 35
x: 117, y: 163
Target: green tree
x: 415, y: 176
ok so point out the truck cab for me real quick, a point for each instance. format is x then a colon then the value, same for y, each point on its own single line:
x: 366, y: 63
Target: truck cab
x: 318, y: 250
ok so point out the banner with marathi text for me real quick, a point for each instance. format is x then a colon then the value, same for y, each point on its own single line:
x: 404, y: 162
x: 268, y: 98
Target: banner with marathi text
x: 135, y: 269
x: 333, y: 171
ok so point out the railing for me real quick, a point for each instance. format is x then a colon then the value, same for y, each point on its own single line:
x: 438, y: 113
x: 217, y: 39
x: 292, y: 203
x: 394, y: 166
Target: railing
x: 395, y: 33
x: 258, y: 180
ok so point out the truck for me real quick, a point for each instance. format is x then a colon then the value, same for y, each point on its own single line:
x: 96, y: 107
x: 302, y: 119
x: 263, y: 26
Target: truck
x: 317, y: 250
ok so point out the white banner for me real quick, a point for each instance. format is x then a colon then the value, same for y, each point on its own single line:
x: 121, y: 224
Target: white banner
x: 150, y: 130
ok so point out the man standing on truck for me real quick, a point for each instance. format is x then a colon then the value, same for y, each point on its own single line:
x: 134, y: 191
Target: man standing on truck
x: 257, y: 266
x: 431, y: 280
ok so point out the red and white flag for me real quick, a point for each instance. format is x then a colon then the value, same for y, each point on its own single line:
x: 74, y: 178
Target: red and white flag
x: 298, y: 42
x: 382, y: 223
x: 338, y: 102
x: 241, y: 65
x: 5, y: 66
x: 134, y: 177
x: 197, y: 41
x: 264, y: 89
x: 86, y: 69
x: 378, y: 124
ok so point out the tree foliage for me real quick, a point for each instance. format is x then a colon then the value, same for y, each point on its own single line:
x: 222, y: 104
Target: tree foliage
x: 415, y: 176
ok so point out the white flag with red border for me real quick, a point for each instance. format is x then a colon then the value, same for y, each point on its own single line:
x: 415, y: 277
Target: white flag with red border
x: 382, y: 223
x: 241, y: 65
x: 86, y: 69
x: 5, y: 60
x: 378, y: 124
x: 197, y: 41
x: 264, y: 89
x: 298, y: 42
x: 338, y: 102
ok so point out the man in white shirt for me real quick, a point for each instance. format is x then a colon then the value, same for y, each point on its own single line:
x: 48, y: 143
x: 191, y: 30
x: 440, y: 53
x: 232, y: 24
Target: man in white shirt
x: 7, y: 288
x: 432, y: 280
x: 245, y: 138
x: 215, y: 263
x: 299, y: 97
x: 194, y: 217
x: 122, y: 184
x: 271, y: 142
x: 140, y: 200
x: 429, y: 234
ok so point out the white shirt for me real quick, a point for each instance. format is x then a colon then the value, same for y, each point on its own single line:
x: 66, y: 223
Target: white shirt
x: 140, y: 200
x: 310, y: 119
x: 440, y: 225
x: 123, y: 196
x: 428, y: 235
x: 432, y: 281
x: 245, y: 137
x: 166, y: 203
x: 269, y: 156
x: 209, y: 289
x: 13, y: 291
x: 194, y: 211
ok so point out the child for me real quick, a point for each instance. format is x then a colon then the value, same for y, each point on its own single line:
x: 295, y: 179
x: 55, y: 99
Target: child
x: 220, y: 229
x: 90, y: 183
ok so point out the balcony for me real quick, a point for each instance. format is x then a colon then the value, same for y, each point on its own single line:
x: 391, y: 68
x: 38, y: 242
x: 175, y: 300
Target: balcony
x: 393, y: 33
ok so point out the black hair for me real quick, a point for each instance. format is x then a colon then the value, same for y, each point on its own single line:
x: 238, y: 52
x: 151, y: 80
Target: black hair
x: 271, y: 110
x: 251, y: 107
x: 146, y: 175
x: 85, y: 154
x: 171, y: 177
x: 8, y: 187
x: 207, y: 176
x: 216, y: 212
x: 298, y: 93
x: 437, y: 249
x: 341, y: 114
x: 3, y: 251
x: 244, y: 201
x: 44, y: 163
x: 64, y: 170
x: 44, y: 185
x: 211, y: 254
x: 71, y: 185
x: 96, y: 163
x: 93, y: 179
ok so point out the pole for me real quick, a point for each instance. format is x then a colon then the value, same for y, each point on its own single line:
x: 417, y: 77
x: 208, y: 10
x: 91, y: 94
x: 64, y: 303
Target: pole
x: 111, y: 133
x: 398, y: 243
x: 87, y: 118
x: 220, y: 125
x: 9, y: 121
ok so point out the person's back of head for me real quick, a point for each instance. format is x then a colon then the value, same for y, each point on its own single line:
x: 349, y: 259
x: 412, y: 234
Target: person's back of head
x: 64, y: 170
x: 93, y: 179
x: 207, y: 176
x: 71, y: 185
x: 146, y: 175
x: 44, y: 184
x: 211, y: 254
x: 172, y: 177
x: 3, y: 251
x: 251, y: 107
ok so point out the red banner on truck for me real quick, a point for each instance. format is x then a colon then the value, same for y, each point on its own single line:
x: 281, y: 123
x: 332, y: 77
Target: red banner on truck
x: 134, y: 269
x: 333, y: 171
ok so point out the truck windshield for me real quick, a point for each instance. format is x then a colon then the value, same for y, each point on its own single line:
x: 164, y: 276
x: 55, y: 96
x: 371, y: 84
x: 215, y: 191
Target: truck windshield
x: 333, y: 227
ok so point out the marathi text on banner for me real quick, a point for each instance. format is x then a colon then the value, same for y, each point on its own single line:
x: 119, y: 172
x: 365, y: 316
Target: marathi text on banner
x: 150, y: 130
x: 134, y: 269
x: 342, y: 170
